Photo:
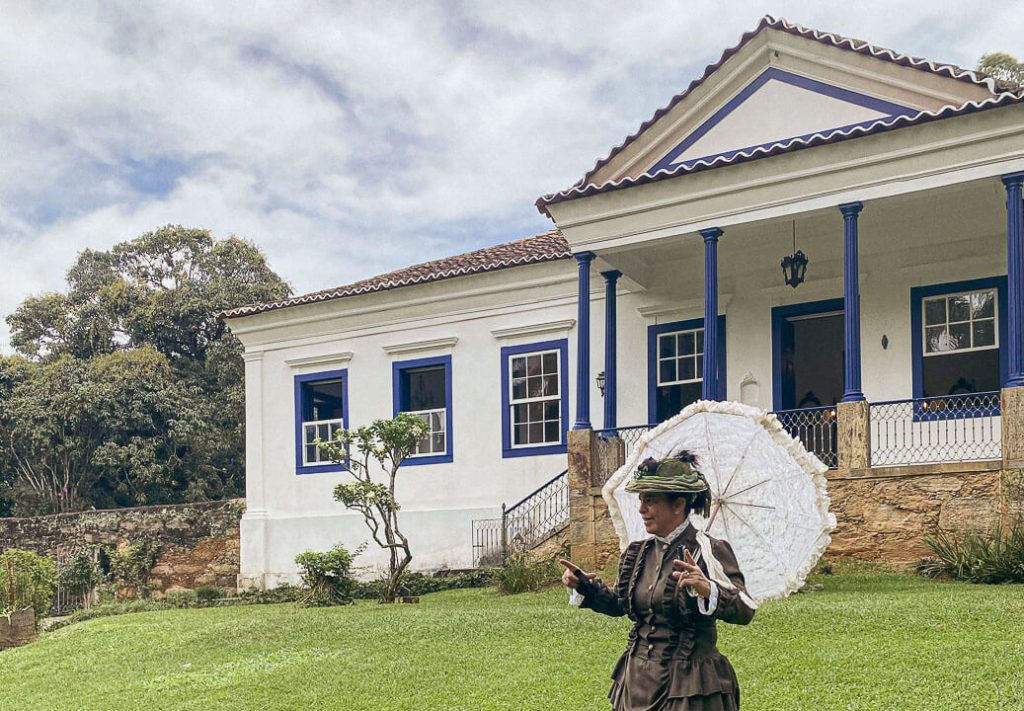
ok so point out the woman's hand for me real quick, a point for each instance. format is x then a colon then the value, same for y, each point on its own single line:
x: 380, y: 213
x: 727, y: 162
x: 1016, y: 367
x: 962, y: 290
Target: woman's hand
x: 569, y: 580
x: 691, y: 576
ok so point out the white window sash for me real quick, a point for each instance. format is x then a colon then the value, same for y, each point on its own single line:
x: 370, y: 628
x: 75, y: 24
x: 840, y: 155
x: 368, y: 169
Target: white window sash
x: 665, y: 383
x: 316, y: 424
x: 425, y: 415
x: 513, y: 401
x: 994, y: 318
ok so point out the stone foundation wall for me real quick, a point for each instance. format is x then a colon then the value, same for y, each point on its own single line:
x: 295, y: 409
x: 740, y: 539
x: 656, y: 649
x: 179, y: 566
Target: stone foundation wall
x: 198, y: 543
x: 885, y: 515
x: 17, y: 630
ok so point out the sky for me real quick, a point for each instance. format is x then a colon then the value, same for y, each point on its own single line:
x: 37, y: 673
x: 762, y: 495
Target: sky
x: 347, y: 139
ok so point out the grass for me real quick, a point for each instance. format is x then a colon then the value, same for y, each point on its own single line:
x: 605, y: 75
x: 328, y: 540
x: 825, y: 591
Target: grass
x: 864, y: 642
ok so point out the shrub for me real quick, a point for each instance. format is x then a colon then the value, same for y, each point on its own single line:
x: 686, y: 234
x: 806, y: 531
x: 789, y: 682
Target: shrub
x: 328, y: 576
x: 206, y: 594
x: 26, y: 580
x: 422, y: 583
x: 523, y: 574
x: 283, y: 593
x: 131, y: 567
x: 180, y: 598
x: 79, y: 575
x: 969, y: 555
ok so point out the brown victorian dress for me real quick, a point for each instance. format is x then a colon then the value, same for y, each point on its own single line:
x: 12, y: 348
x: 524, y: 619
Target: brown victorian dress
x: 672, y: 662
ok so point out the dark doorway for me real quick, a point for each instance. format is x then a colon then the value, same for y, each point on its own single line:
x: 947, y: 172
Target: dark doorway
x: 808, y: 348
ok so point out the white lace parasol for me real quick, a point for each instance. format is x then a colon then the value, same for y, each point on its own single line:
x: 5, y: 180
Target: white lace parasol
x: 768, y: 496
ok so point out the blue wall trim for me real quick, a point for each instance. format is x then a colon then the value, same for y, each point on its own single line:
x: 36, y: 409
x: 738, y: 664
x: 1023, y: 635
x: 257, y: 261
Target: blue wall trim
x: 814, y: 85
x: 652, y: 358
x: 299, y: 381
x: 562, y: 346
x: 780, y: 314
x: 921, y: 292
x: 396, y: 399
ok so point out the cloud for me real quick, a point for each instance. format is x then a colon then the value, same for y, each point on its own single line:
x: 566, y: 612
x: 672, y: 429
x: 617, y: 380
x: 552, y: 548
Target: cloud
x: 354, y: 138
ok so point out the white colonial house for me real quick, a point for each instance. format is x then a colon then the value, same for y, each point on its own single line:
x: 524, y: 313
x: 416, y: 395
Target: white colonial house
x: 891, y: 185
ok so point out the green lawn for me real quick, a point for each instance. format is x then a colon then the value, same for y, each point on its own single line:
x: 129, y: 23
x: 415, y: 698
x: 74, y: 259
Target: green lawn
x: 864, y: 642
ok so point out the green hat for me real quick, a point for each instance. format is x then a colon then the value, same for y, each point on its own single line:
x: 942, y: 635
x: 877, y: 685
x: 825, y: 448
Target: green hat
x: 677, y: 474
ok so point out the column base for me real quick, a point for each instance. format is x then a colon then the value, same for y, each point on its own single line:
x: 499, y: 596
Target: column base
x: 853, y: 436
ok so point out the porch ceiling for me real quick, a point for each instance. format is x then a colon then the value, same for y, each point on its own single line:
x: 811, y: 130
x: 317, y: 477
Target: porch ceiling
x: 966, y: 220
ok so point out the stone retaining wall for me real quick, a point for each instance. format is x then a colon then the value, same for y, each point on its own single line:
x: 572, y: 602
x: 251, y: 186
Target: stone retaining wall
x: 18, y: 629
x: 198, y: 543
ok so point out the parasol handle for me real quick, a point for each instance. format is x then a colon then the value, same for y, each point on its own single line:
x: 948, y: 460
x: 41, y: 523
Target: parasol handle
x: 714, y: 512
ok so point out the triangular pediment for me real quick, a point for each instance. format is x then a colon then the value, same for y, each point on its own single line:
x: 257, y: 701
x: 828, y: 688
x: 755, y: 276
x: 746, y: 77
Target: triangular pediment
x: 783, y: 83
x: 775, y: 107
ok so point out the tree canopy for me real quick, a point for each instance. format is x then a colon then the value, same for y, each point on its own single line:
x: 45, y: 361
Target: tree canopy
x: 127, y: 390
x: 1002, y: 66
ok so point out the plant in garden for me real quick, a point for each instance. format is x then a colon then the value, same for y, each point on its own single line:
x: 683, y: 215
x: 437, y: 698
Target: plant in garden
x: 524, y: 574
x: 131, y: 567
x: 328, y: 576
x: 388, y: 443
x: 26, y: 580
x: 79, y: 575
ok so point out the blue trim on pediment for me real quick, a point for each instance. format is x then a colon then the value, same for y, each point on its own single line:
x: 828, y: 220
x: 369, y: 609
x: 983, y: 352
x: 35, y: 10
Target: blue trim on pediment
x: 835, y: 92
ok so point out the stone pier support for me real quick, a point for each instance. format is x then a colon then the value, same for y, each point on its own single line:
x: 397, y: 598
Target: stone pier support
x: 853, y: 436
x: 1012, y: 427
x: 592, y: 540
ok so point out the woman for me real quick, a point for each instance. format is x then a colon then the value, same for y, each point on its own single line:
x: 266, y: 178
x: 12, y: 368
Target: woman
x: 673, y: 585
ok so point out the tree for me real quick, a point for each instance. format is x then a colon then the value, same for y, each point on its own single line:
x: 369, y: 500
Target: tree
x: 1003, y: 67
x: 387, y: 442
x: 129, y: 390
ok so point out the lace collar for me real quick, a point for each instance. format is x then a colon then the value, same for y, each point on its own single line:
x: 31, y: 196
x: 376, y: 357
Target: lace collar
x: 676, y: 532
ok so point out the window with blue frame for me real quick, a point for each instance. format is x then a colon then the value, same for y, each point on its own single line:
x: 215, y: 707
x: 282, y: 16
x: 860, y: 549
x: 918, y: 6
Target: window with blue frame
x: 956, y: 330
x: 535, y: 409
x: 321, y: 409
x: 423, y: 388
x: 675, y: 366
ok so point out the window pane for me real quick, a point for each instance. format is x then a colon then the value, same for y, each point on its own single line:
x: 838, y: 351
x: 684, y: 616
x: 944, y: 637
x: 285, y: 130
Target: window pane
x: 536, y: 432
x: 936, y: 340
x: 550, y: 384
x: 551, y: 433
x: 959, y: 308
x: 687, y: 343
x: 426, y: 389
x: 700, y: 367
x: 520, y: 434
x: 686, y: 368
x: 311, y: 453
x: 935, y: 312
x: 536, y: 411
x: 519, y: 388
x: 323, y: 400
x: 519, y: 413
x: 533, y: 365
x: 984, y: 333
x: 667, y: 371
x: 438, y: 442
x: 518, y: 367
x: 536, y: 386
x: 666, y: 346
x: 700, y: 341
x: 983, y: 304
x: 551, y: 410
x: 309, y: 432
x: 550, y: 362
x: 959, y: 336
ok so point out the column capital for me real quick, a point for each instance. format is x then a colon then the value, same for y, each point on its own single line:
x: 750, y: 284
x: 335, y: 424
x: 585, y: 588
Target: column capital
x: 1013, y: 179
x: 850, y: 209
x: 711, y: 234
x: 584, y: 257
x: 612, y: 275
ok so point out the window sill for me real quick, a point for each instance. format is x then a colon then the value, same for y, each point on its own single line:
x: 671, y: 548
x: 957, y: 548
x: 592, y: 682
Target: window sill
x: 319, y: 468
x: 430, y: 459
x: 508, y: 452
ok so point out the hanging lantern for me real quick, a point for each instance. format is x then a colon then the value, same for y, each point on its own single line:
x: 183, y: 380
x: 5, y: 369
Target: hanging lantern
x: 795, y: 265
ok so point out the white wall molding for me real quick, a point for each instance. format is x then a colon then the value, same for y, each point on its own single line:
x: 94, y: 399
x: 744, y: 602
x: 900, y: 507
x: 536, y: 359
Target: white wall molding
x: 326, y: 359
x: 533, y: 329
x: 428, y: 345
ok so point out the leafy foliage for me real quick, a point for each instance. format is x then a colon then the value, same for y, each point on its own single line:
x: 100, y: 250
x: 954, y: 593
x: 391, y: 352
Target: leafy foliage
x: 388, y: 443
x: 423, y: 584
x: 131, y: 567
x: 80, y: 574
x: 1002, y: 66
x: 522, y: 573
x: 328, y: 576
x: 128, y: 390
x: 26, y: 580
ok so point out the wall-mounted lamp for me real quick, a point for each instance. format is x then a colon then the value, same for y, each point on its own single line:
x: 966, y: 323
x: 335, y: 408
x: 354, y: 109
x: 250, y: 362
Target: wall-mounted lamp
x: 794, y: 266
x: 600, y: 382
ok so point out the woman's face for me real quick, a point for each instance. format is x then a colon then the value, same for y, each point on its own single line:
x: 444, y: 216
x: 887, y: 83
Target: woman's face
x: 660, y: 515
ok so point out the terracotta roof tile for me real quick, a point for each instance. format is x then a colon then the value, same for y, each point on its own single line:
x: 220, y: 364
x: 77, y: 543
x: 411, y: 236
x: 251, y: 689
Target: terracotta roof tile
x: 585, y: 187
x: 539, y: 248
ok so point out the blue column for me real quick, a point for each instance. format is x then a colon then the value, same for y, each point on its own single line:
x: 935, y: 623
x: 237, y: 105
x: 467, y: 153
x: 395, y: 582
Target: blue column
x: 851, y: 303
x: 709, y: 388
x: 583, y: 343
x: 1014, y: 279
x: 610, y: 365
